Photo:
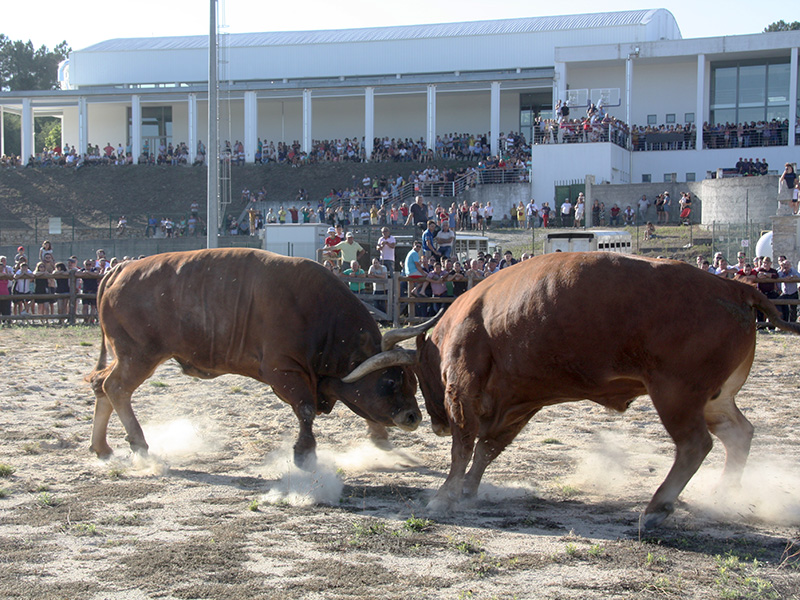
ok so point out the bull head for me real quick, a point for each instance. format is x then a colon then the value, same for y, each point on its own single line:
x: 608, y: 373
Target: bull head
x: 389, y: 355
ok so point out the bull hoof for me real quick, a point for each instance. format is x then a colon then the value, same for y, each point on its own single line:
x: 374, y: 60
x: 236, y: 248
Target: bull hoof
x: 382, y: 444
x: 651, y: 520
x: 439, y: 506
x: 102, y: 453
x: 305, y: 461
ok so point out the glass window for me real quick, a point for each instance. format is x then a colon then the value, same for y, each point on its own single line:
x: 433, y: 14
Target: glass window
x: 688, y: 118
x: 727, y: 115
x: 723, y: 86
x: 752, y: 85
x: 667, y: 177
x: 778, y: 84
x: 646, y: 178
x: 651, y: 119
x: 670, y: 117
x: 691, y: 177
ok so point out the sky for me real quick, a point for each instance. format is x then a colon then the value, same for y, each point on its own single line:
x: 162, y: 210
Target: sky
x: 48, y: 22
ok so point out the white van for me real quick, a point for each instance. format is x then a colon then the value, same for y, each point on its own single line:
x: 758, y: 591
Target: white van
x: 589, y: 241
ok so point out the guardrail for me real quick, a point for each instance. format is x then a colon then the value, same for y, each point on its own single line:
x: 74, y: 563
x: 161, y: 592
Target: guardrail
x: 71, y: 316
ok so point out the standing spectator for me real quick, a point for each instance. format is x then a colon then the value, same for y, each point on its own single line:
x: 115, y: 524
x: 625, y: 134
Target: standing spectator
x: 544, y: 219
x: 438, y: 284
x: 349, y: 248
x: 380, y: 273
x: 62, y: 287
x: 90, y: 285
x: 418, y: 213
x: 281, y: 215
x: 788, y: 179
x: 428, y: 243
x: 152, y: 226
x: 122, y: 225
x: 445, y: 239
x: 508, y: 260
x: 580, y: 209
x: 20, y: 255
x: 355, y: 270
x: 788, y: 289
x: 566, y: 213
x: 47, y: 248
x: 643, y: 205
x: 101, y: 264
x: 667, y: 204
x: 413, y: 268
x: 6, y: 277
x: 531, y: 214
x: 23, y: 284
x: 488, y: 213
x: 765, y: 275
x: 385, y: 247
x: 41, y: 305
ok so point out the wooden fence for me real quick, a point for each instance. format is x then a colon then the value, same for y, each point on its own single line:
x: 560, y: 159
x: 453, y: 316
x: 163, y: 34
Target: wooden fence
x: 399, y: 307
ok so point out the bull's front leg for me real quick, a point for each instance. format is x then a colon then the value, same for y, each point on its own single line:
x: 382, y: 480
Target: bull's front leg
x: 451, y: 491
x: 294, y: 389
x: 378, y: 435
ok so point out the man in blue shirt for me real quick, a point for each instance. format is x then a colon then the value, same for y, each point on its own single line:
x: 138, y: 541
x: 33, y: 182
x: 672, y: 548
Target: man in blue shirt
x: 428, y: 244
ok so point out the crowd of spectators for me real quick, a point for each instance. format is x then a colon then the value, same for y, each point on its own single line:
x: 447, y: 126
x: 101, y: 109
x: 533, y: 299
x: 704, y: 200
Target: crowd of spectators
x: 29, y: 277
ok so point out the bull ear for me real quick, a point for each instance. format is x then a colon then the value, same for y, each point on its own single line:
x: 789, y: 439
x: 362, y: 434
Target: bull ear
x: 395, y: 336
x: 383, y: 360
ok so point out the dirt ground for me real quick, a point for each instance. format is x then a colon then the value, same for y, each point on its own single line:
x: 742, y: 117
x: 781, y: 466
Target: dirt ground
x: 217, y: 511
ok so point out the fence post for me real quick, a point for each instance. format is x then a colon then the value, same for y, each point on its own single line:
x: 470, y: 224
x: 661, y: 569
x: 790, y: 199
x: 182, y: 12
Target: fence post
x: 73, y: 297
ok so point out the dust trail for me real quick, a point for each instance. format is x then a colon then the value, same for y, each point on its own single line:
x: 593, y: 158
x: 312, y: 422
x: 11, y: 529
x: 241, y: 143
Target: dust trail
x: 768, y: 493
x: 367, y: 457
x: 510, y: 490
x: 170, y: 442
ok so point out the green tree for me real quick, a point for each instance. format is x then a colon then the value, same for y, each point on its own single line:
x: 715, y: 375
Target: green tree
x: 782, y: 26
x: 12, y: 126
x: 48, y: 133
x: 24, y: 68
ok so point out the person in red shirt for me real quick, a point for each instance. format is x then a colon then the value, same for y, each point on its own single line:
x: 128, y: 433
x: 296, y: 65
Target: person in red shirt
x: 328, y: 251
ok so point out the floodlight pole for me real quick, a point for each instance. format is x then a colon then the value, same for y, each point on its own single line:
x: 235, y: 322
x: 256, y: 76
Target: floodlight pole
x: 212, y: 152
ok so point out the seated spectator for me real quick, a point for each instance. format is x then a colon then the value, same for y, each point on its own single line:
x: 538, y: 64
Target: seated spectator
x: 380, y: 273
x: 649, y: 231
x: 355, y: 270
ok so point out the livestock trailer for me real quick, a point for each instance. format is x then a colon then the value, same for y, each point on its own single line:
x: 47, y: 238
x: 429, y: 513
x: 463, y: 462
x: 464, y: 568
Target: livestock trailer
x: 589, y: 241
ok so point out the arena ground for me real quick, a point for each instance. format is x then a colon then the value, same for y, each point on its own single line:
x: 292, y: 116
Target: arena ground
x: 218, y: 513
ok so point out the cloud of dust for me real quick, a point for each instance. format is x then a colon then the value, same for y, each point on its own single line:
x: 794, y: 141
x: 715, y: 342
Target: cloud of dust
x: 604, y: 465
x: 510, y: 490
x: 768, y: 493
x: 324, y: 485
x: 296, y: 487
x: 169, y: 442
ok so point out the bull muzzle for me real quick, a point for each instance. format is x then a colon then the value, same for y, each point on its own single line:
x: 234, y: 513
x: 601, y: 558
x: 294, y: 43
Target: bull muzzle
x: 408, y: 420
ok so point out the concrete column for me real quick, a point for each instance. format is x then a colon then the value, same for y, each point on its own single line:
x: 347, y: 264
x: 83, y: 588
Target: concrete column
x: 560, y: 83
x: 250, y: 126
x: 83, y: 126
x: 699, y: 113
x: 307, y: 120
x: 369, y: 122
x: 136, y: 127
x: 430, y: 138
x: 494, y: 118
x: 26, y: 131
x: 792, y: 96
x: 628, y: 89
x: 192, y: 126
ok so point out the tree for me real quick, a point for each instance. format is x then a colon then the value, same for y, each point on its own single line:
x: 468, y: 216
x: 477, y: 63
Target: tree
x: 782, y: 26
x: 24, y: 68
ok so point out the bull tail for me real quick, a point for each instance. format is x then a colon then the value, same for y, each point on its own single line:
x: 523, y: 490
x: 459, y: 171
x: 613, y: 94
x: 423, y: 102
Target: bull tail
x: 98, y: 376
x: 762, y: 303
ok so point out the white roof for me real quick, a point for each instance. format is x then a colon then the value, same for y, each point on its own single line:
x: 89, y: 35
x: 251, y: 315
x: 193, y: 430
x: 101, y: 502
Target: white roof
x: 409, y: 32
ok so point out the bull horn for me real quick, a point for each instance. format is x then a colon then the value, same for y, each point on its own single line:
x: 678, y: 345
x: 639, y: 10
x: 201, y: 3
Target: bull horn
x: 395, y: 336
x: 383, y: 360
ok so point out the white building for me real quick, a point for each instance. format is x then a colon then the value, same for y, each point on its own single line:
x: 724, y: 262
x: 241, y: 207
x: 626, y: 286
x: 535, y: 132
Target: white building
x: 431, y: 80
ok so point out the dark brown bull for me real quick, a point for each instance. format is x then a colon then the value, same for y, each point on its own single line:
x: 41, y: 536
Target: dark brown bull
x: 286, y: 322
x: 601, y: 327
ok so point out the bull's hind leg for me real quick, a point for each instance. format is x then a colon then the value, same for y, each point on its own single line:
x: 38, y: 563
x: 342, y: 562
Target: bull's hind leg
x: 681, y: 413
x: 727, y: 423
x: 489, y: 447
x: 102, y: 413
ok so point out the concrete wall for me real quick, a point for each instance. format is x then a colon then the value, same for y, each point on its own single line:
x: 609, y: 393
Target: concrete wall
x: 502, y: 197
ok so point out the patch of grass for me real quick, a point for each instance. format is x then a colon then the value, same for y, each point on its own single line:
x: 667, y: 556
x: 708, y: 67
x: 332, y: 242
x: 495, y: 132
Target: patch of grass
x: 483, y: 565
x: 596, y: 550
x: 6, y: 470
x: 740, y: 580
x: 32, y: 448
x: 571, y: 549
x: 86, y: 529
x: 368, y: 529
x: 85, y: 344
x: 253, y: 506
x: 468, y: 546
x: 116, y: 473
x: 237, y: 389
x: 569, y: 491
x: 4, y: 493
x: 651, y: 560
x: 45, y: 499
x: 43, y: 487
x: 552, y: 441
x: 416, y: 524
x: 158, y: 384
x: 665, y: 587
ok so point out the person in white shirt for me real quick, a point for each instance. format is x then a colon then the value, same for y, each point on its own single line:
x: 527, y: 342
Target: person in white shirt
x: 566, y: 213
x: 444, y: 240
x: 385, y: 247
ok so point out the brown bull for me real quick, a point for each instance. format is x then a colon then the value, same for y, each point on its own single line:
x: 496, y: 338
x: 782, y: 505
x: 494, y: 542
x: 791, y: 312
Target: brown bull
x: 601, y: 327
x: 286, y: 322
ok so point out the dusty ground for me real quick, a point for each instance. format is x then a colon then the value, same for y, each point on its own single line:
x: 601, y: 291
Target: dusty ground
x: 220, y: 514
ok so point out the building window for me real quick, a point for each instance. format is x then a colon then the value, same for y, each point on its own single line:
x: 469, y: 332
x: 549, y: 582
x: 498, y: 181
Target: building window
x: 646, y: 178
x: 651, y: 119
x: 691, y: 177
x: 745, y: 91
x: 688, y: 118
x: 668, y: 178
x: 670, y: 117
